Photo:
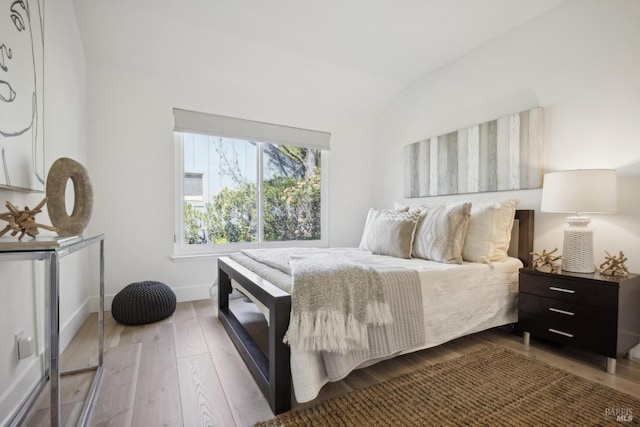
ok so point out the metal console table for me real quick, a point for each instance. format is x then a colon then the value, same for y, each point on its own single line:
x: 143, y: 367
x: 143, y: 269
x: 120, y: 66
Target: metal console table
x: 51, y: 250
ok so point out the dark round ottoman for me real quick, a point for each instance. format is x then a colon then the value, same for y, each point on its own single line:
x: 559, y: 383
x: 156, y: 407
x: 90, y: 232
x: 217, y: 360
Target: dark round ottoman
x: 143, y: 302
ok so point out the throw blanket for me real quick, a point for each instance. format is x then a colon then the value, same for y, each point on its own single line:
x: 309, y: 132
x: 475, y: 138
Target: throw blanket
x: 333, y: 303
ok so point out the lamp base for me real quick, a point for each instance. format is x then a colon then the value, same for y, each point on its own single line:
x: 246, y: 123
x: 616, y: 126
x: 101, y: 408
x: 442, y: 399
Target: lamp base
x: 577, y: 249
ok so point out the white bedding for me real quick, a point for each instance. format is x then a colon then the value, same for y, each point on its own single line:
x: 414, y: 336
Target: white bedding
x: 457, y: 300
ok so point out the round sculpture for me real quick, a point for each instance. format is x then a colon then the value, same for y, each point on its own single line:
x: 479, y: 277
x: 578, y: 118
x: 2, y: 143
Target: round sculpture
x: 143, y: 302
x: 63, y: 170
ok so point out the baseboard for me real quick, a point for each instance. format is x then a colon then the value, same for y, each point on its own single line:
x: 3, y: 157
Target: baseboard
x: 192, y: 293
x: 183, y: 294
x: 17, y: 392
x: 73, y: 325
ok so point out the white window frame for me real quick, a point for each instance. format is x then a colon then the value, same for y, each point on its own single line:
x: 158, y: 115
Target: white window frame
x: 184, y: 250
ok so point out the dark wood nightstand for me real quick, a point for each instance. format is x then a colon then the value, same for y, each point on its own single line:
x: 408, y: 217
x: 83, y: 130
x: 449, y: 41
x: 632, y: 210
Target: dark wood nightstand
x: 590, y: 311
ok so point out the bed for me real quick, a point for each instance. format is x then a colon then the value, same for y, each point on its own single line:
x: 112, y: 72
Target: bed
x: 454, y: 307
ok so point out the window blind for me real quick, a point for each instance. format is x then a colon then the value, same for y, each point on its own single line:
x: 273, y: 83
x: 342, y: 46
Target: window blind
x: 231, y: 127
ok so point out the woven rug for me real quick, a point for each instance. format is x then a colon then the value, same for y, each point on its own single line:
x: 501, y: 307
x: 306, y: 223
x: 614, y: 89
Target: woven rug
x: 490, y: 387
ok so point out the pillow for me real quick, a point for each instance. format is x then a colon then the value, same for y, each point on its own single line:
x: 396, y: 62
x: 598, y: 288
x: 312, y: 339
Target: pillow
x: 391, y: 233
x: 371, y: 217
x: 441, y: 231
x: 489, y: 232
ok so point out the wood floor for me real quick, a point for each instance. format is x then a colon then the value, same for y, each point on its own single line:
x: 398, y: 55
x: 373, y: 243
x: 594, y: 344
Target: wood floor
x: 185, y: 371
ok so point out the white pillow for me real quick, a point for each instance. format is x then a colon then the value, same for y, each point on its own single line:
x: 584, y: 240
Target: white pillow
x: 371, y: 217
x: 489, y: 232
x: 441, y: 231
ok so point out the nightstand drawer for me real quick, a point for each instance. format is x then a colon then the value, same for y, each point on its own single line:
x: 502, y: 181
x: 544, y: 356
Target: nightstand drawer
x: 559, y: 288
x: 568, y: 314
x: 600, y: 341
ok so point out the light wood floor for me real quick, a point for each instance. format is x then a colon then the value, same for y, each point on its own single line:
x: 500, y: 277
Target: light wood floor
x: 185, y: 370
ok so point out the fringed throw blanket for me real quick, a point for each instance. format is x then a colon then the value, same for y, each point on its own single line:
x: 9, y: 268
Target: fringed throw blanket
x: 334, y: 300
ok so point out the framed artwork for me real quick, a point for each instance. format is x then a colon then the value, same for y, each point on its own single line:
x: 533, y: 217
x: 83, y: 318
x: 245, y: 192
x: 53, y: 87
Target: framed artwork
x: 502, y: 154
x: 21, y: 95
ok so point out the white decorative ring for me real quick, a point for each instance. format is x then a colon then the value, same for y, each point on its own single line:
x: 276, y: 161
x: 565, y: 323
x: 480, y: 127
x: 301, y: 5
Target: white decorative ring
x: 61, y: 171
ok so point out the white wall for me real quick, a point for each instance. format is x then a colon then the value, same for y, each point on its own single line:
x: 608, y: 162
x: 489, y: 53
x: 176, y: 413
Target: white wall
x: 147, y: 67
x: 132, y: 164
x: 581, y: 63
x: 21, y: 283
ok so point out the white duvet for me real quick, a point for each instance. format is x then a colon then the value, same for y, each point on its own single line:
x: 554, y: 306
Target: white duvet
x: 457, y: 300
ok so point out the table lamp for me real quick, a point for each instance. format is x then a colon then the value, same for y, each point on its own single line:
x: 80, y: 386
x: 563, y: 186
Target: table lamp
x: 579, y: 191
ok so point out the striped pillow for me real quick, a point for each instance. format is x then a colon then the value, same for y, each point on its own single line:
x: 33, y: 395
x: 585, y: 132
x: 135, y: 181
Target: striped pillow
x: 440, y: 233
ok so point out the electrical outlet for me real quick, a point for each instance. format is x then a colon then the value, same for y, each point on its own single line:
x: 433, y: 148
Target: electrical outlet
x: 24, y: 346
x: 18, y: 336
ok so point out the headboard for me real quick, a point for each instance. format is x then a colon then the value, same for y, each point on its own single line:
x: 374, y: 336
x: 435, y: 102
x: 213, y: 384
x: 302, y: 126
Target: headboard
x: 521, y: 244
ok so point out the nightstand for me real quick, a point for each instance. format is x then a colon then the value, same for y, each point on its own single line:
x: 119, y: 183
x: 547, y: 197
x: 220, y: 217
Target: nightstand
x: 590, y: 311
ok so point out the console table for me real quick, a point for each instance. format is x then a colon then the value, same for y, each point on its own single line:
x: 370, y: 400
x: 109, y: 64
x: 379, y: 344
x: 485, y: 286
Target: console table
x: 51, y: 250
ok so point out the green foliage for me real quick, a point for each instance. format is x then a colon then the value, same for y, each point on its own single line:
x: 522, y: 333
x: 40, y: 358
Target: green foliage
x: 193, y: 220
x: 291, y: 212
x: 292, y: 208
x: 231, y: 217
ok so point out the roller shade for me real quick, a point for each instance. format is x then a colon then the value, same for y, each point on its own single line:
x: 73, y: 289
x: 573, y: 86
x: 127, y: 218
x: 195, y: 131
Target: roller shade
x: 213, y: 124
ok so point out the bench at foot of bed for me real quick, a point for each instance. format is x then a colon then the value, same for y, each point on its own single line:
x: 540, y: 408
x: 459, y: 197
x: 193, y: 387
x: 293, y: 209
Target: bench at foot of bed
x: 272, y: 372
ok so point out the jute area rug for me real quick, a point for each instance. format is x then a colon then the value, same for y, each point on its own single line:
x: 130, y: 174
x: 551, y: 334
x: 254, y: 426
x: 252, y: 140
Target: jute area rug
x: 490, y: 387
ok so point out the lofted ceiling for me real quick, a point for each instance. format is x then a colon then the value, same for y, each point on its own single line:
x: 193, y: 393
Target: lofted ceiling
x: 389, y: 42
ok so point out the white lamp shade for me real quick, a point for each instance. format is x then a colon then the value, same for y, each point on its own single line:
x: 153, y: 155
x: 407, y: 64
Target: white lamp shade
x: 578, y: 191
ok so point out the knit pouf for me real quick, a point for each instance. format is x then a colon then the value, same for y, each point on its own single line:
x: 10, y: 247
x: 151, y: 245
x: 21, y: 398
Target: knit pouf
x: 143, y: 302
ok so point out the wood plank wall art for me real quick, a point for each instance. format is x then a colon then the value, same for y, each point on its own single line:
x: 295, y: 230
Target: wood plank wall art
x: 502, y: 154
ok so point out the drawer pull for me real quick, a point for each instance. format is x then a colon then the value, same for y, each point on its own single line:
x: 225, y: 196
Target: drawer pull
x: 569, y: 291
x: 557, y: 310
x: 566, y: 334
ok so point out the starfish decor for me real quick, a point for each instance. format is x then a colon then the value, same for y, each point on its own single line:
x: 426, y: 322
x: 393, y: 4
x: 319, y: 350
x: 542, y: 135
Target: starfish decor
x: 23, y: 220
x: 547, y: 259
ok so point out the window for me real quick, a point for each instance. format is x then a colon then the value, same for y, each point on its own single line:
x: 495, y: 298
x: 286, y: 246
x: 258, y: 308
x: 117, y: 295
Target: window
x: 235, y: 190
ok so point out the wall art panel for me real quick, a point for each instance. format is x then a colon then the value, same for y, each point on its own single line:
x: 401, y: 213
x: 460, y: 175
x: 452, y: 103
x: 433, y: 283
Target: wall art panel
x: 502, y: 154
